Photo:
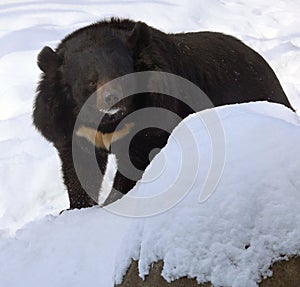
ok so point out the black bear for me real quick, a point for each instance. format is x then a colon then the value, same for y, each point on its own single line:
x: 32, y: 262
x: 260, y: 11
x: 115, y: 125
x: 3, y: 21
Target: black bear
x: 222, y: 66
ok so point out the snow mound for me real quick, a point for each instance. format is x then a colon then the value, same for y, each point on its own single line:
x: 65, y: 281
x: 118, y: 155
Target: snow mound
x: 249, y: 221
x: 74, y: 249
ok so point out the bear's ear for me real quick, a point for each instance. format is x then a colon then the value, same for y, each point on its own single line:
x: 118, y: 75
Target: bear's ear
x: 48, y: 60
x: 139, y: 37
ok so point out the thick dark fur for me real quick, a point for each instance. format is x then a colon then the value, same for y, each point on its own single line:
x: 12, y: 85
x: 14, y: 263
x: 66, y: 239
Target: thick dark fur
x: 227, y: 70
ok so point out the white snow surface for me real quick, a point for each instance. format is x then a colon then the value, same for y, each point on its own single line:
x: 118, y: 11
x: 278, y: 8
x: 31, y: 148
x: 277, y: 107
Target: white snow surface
x: 255, y: 203
x: 249, y: 221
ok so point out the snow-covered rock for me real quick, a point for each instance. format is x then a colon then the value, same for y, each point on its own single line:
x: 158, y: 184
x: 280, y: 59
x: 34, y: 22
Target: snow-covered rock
x: 248, y: 222
x: 285, y: 273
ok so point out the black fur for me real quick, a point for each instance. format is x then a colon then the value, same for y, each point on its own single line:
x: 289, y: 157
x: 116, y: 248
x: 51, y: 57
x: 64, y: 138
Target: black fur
x: 227, y: 70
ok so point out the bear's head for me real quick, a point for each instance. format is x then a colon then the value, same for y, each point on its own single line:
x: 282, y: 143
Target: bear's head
x: 89, y: 58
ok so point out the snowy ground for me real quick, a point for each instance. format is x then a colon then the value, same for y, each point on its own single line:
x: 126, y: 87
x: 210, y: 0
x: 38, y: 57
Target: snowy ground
x: 30, y: 179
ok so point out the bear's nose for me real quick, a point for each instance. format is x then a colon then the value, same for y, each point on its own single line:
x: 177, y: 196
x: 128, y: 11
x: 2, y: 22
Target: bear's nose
x: 111, y: 98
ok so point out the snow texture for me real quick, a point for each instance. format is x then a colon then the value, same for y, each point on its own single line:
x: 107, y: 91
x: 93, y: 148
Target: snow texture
x: 249, y: 221
x: 255, y: 203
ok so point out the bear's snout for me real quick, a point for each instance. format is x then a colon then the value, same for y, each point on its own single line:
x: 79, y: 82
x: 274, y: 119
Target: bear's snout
x: 108, y: 99
x: 111, y: 98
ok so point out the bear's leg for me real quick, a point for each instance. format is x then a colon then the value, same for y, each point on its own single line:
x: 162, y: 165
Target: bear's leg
x: 77, y: 195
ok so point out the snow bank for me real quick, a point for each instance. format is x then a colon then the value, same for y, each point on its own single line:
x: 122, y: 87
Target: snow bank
x: 74, y: 249
x: 251, y: 219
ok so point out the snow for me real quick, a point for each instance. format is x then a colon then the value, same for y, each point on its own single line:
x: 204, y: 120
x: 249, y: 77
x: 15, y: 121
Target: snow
x: 255, y: 204
x: 108, y: 179
x: 79, y: 247
x: 74, y: 249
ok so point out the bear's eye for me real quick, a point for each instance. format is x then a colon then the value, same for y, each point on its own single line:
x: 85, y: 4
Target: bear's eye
x: 92, y: 83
